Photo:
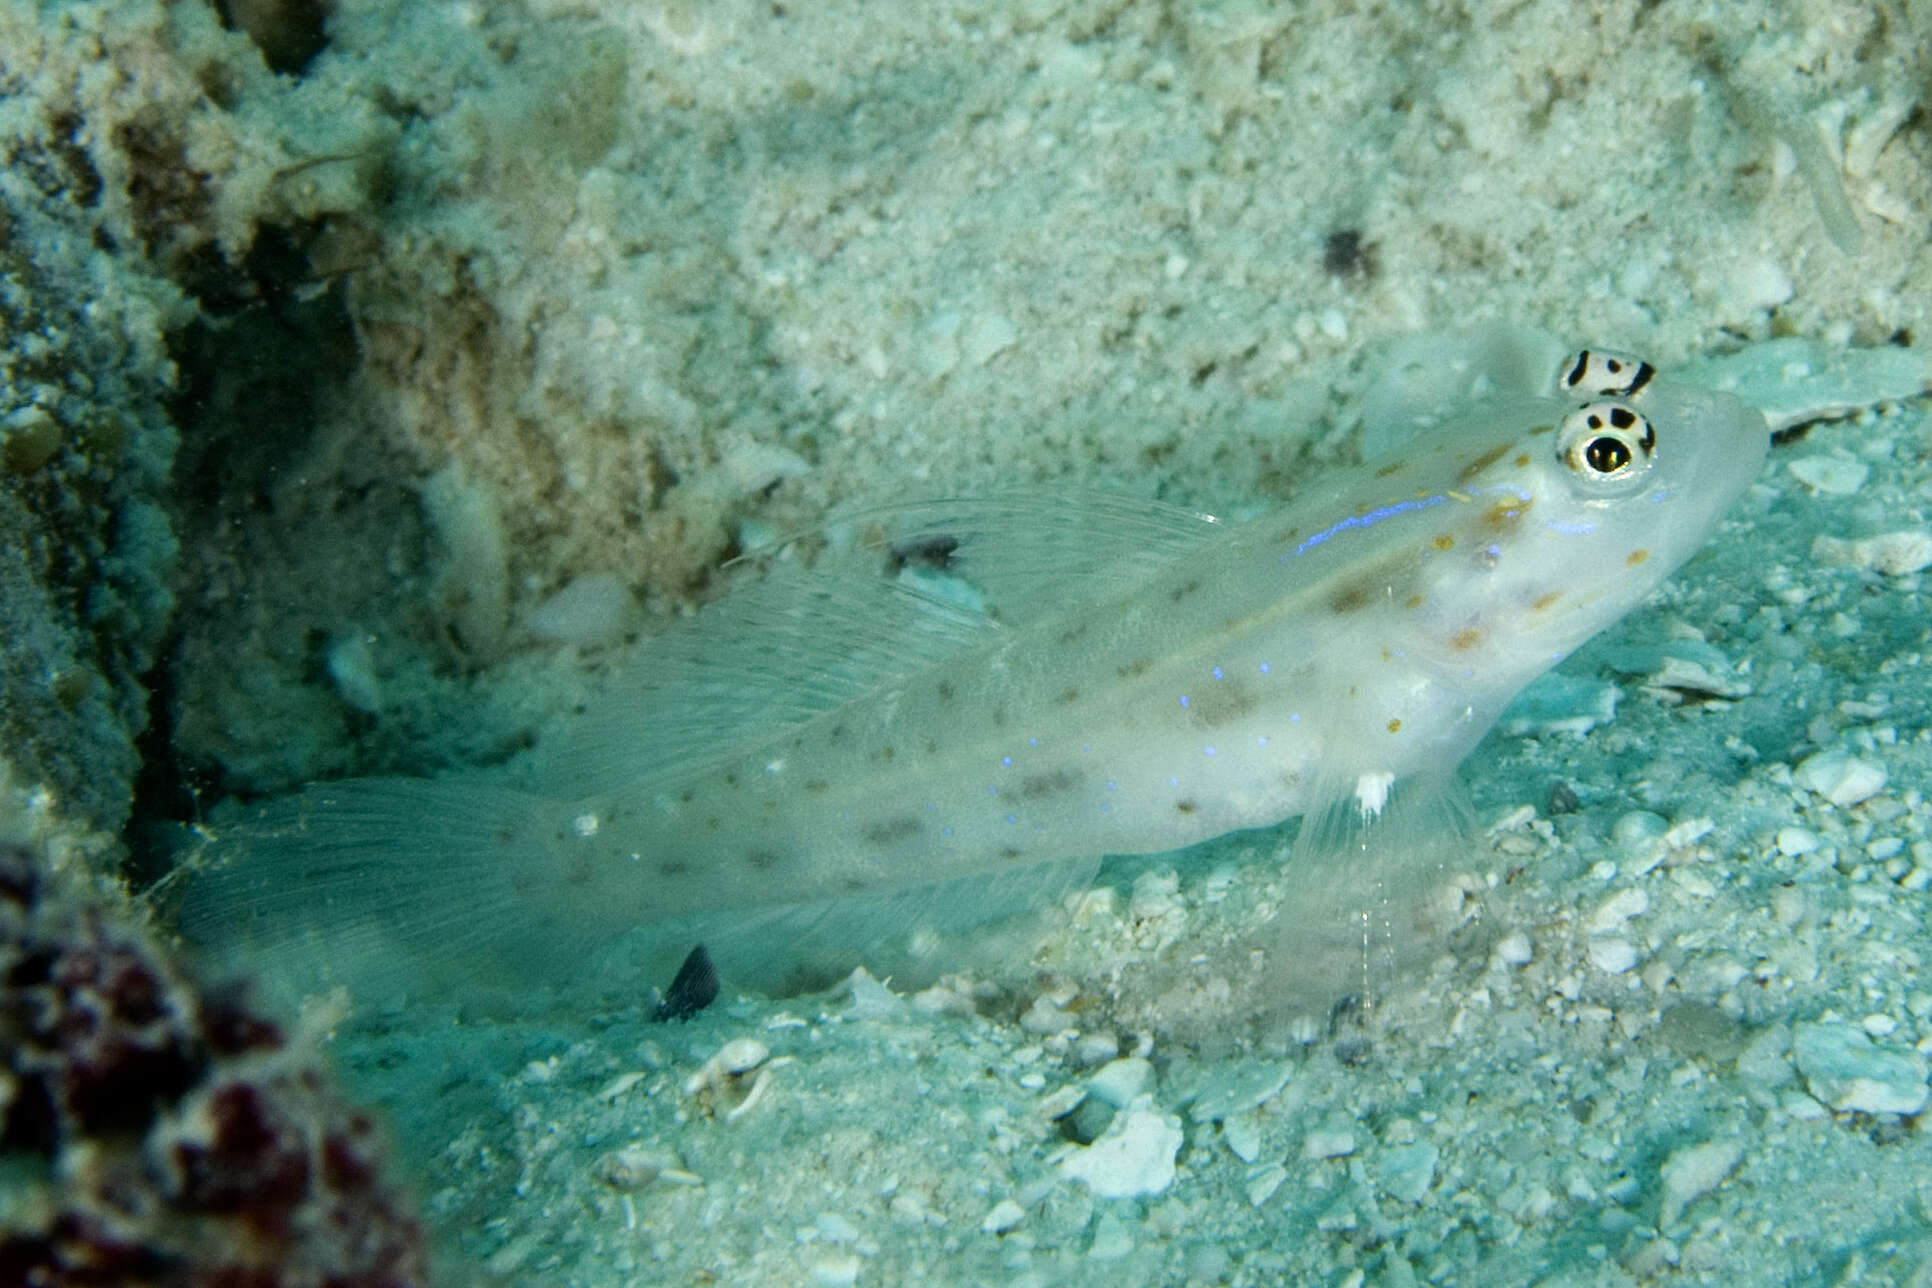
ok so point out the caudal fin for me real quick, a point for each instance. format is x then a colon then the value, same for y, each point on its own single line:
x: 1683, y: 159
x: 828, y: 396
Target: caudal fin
x: 390, y: 886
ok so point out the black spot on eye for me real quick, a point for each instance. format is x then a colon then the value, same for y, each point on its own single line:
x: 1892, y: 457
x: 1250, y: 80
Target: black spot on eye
x: 1622, y: 417
x: 1606, y: 455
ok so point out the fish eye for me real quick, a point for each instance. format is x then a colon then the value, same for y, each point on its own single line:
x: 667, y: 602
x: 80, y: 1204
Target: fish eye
x: 1606, y: 442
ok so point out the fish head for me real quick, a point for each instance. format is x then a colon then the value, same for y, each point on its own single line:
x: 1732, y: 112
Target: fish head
x: 1552, y: 517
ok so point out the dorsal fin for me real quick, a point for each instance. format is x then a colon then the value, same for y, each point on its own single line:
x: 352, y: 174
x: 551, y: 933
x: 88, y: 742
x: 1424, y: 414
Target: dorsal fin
x: 1023, y: 551
x: 770, y: 655
x: 876, y: 606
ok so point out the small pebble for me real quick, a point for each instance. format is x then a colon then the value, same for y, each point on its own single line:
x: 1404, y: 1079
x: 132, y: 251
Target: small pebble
x: 1840, y: 777
x: 1794, y: 841
x: 1133, y: 1159
x: 1843, y: 1068
x: 1514, y: 949
x: 1612, y: 956
x: 1408, y: 1171
x: 1690, y: 1173
x: 1894, y: 554
x: 1004, y: 1215
x: 1120, y: 1082
x: 1111, y: 1239
x: 833, y: 1267
x: 1243, y: 1137
x: 1328, y: 1142
x: 1617, y: 909
x: 1835, y: 475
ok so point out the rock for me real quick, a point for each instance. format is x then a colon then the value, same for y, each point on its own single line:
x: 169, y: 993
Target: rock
x: 1232, y: 1088
x: 1121, y: 1082
x: 1840, y: 777
x: 1690, y: 1173
x: 1406, y: 1172
x: 1835, y: 475
x: 1893, y: 553
x: 1617, y: 909
x: 1337, y: 1140
x: 1611, y: 955
x: 1843, y: 1068
x: 1134, y: 1158
x: 1004, y: 1215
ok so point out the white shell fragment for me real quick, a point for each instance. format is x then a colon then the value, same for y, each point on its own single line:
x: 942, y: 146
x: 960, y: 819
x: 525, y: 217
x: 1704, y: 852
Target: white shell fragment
x: 1234, y: 1087
x: 1133, y: 1158
x: 1840, y: 777
x: 1690, y: 1173
x: 1612, y: 956
x: 1896, y: 554
x: 1845, y: 1069
x: 1793, y: 380
x: 1004, y: 1215
x: 1832, y: 475
x: 734, y: 1080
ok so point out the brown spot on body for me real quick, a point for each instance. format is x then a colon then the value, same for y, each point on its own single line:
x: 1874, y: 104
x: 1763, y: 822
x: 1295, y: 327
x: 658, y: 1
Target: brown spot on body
x: 883, y: 754
x: 1636, y: 557
x: 1073, y: 633
x: 1010, y: 853
x: 1482, y: 463
x: 673, y: 868
x: 1506, y: 512
x: 1184, y: 807
x: 761, y: 860
x: 1522, y: 461
x: 1183, y: 591
x: 1391, y: 468
x: 1443, y: 541
x: 1395, y: 726
x: 946, y: 691
x: 1068, y: 696
x: 816, y: 786
x: 1135, y: 668
x: 1464, y: 640
x: 893, y: 829
x: 1035, y: 786
x: 1217, y: 705
x: 1544, y: 603
x: 1348, y: 598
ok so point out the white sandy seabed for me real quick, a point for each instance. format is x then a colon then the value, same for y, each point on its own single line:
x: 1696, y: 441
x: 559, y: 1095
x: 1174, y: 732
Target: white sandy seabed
x: 1001, y: 242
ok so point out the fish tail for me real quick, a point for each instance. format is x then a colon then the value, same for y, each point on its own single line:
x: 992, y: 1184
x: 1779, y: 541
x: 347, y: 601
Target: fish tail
x: 390, y: 886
